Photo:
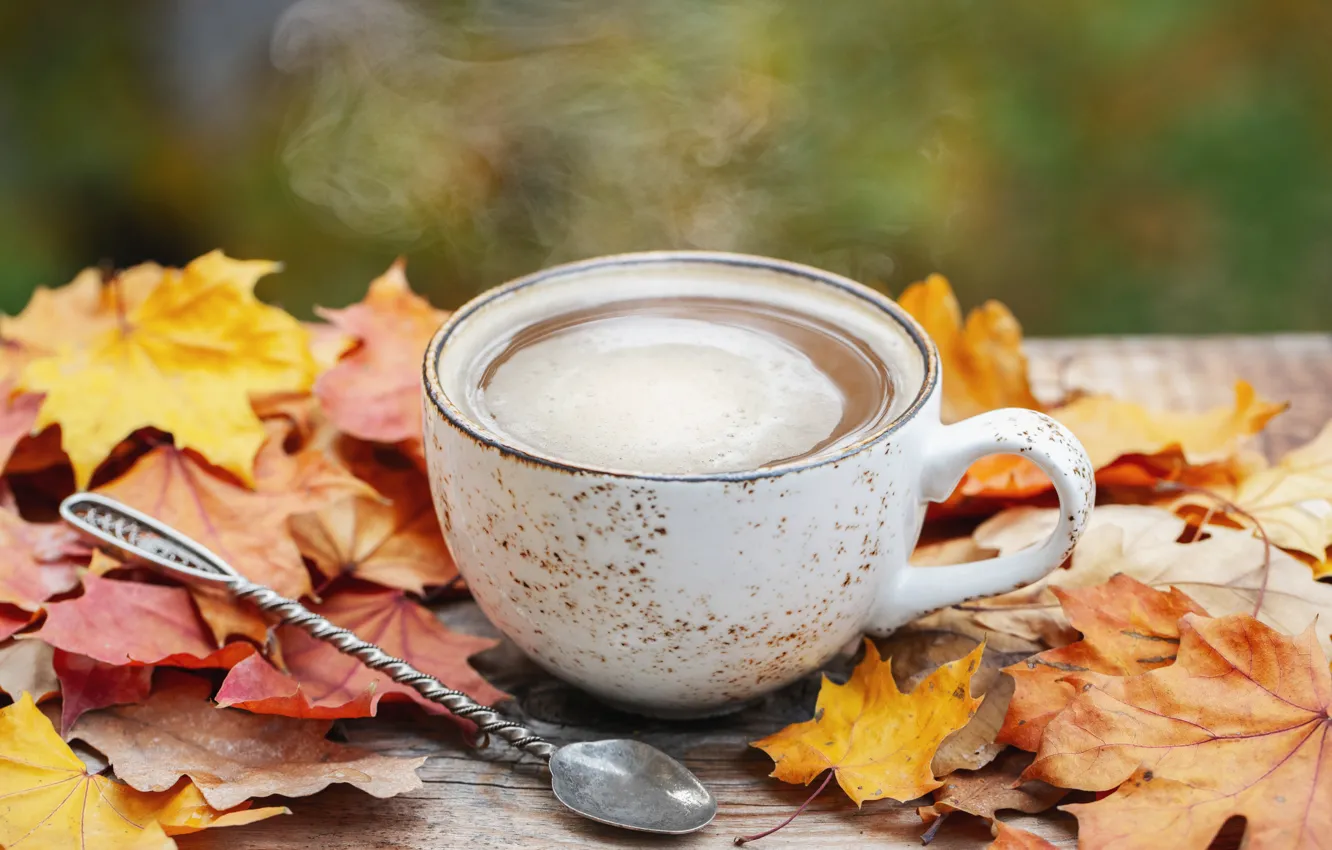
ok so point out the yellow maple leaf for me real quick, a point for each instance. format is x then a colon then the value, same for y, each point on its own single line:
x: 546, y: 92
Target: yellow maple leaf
x: 984, y: 367
x: 183, y: 356
x: 1292, y: 499
x: 877, y: 740
x: 48, y: 801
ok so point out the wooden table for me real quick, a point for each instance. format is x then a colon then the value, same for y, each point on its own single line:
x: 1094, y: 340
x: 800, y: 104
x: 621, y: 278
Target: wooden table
x: 488, y: 799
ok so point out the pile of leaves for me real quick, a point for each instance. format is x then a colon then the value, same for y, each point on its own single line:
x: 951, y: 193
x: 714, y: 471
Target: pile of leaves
x: 294, y: 452
x: 1171, y: 677
x: 1166, y: 680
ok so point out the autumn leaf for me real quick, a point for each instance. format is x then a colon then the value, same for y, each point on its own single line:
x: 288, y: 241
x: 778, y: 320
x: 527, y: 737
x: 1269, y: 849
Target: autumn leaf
x: 13, y: 619
x: 990, y: 790
x: 87, y: 684
x: 127, y: 622
x: 26, y: 667
x: 257, y: 686
x: 82, y: 310
x: 877, y: 741
x: 1224, y: 573
x: 329, y: 679
x: 1131, y: 446
x: 1292, y: 500
x: 984, y: 367
x: 374, y: 391
x: 37, y: 560
x: 184, y: 359
x: 392, y: 538
x: 48, y: 801
x: 1237, y: 726
x: 1127, y: 628
x: 1011, y: 838
x: 233, y: 755
x: 246, y: 528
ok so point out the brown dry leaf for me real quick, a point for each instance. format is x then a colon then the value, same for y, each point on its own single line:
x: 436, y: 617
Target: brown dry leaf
x: 128, y: 622
x: 984, y: 367
x: 374, y: 391
x: 26, y: 666
x: 49, y: 801
x: 992, y: 789
x: 37, y: 560
x: 1223, y: 573
x: 1237, y: 726
x: 247, y: 529
x: 233, y: 755
x: 917, y: 651
x: 877, y: 741
x: 1292, y: 500
x: 1127, y: 628
x: 1011, y: 838
x: 396, y: 543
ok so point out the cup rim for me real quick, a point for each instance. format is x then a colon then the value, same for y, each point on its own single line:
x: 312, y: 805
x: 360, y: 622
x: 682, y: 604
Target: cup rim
x: 434, y: 390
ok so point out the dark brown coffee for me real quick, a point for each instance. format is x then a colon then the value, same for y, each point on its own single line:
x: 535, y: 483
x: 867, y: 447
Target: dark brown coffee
x: 683, y: 385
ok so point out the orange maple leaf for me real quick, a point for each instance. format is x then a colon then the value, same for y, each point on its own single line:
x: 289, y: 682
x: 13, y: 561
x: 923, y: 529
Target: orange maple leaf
x: 876, y: 740
x: 246, y: 528
x: 1011, y: 838
x: 127, y: 622
x: 259, y: 687
x: 1237, y: 726
x: 374, y: 391
x: 334, y: 682
x: 392, y: 539
x: 1127, y: 628
x: 983, y: 364
x: 49, y: 800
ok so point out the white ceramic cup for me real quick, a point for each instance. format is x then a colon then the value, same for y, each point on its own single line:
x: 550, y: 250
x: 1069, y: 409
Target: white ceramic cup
x: 692, y: 594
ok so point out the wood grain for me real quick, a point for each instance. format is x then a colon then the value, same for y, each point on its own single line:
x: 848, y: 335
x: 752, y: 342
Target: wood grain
x: 485, y: 798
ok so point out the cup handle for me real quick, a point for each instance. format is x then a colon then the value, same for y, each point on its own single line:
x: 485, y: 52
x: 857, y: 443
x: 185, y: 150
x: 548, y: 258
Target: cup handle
x: 915, y: 591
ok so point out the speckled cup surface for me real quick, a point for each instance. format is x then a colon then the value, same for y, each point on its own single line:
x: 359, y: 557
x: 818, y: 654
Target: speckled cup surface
x: 686, y: 595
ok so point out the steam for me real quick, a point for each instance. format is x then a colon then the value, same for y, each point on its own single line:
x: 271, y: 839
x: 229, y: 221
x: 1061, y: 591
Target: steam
x: 583, y: 126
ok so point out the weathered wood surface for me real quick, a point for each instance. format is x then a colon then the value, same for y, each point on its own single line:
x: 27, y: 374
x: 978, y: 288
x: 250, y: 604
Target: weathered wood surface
x: 488, y: 799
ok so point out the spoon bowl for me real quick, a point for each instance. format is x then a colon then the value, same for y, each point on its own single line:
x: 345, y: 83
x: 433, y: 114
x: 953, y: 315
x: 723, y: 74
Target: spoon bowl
x: 631, y: 785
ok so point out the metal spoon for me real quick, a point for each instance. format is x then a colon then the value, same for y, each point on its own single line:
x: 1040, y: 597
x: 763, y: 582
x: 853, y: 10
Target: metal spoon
x: 622, y: 783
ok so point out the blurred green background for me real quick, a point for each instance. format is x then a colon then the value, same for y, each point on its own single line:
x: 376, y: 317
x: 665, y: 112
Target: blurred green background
x: 1135, y: 166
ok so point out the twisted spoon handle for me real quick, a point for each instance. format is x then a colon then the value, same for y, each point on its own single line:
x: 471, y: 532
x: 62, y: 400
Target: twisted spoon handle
x: 174, y: 554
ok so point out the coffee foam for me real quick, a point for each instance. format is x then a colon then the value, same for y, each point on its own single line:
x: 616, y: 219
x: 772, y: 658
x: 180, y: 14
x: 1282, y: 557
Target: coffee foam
x: 668, y: 394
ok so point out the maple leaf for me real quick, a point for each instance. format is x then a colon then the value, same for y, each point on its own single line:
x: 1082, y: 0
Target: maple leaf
x: 48, y: 801
x: 329, y: 679
x: 1127, y: 628
x: 1011, y: 838
x: 1131, y: 446
x: 374, y: 390
x: 25, y: 667
x: 396, y: 543
x: 1224, y: 573
x: 877, y: 741
x: 244, y: 527
x: 1292, y: 500
x: 87, y: 684
x: 1237, y: 726
x: 184, y: 359
x: 257, y: 686
x: 982, y: 361
x: 165, y: 628
x: 86, y: 307
x: 12, y: 619
x: 990, y: 790
x: 233, y: 755
x: 37, y: 560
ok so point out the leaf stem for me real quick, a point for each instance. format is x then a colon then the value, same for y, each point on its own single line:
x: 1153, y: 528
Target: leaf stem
x: 928, y: 835
x: 744, y: 839
x: 1230, y: 507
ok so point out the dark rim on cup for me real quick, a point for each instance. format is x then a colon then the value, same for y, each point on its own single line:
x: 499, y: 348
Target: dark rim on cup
x: 435, y: 391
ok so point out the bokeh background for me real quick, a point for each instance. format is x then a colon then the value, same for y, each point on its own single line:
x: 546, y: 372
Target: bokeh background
x: 1135, y: 166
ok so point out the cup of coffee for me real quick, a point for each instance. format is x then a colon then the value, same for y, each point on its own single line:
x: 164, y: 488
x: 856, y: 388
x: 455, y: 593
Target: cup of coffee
x: 681, y: 480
